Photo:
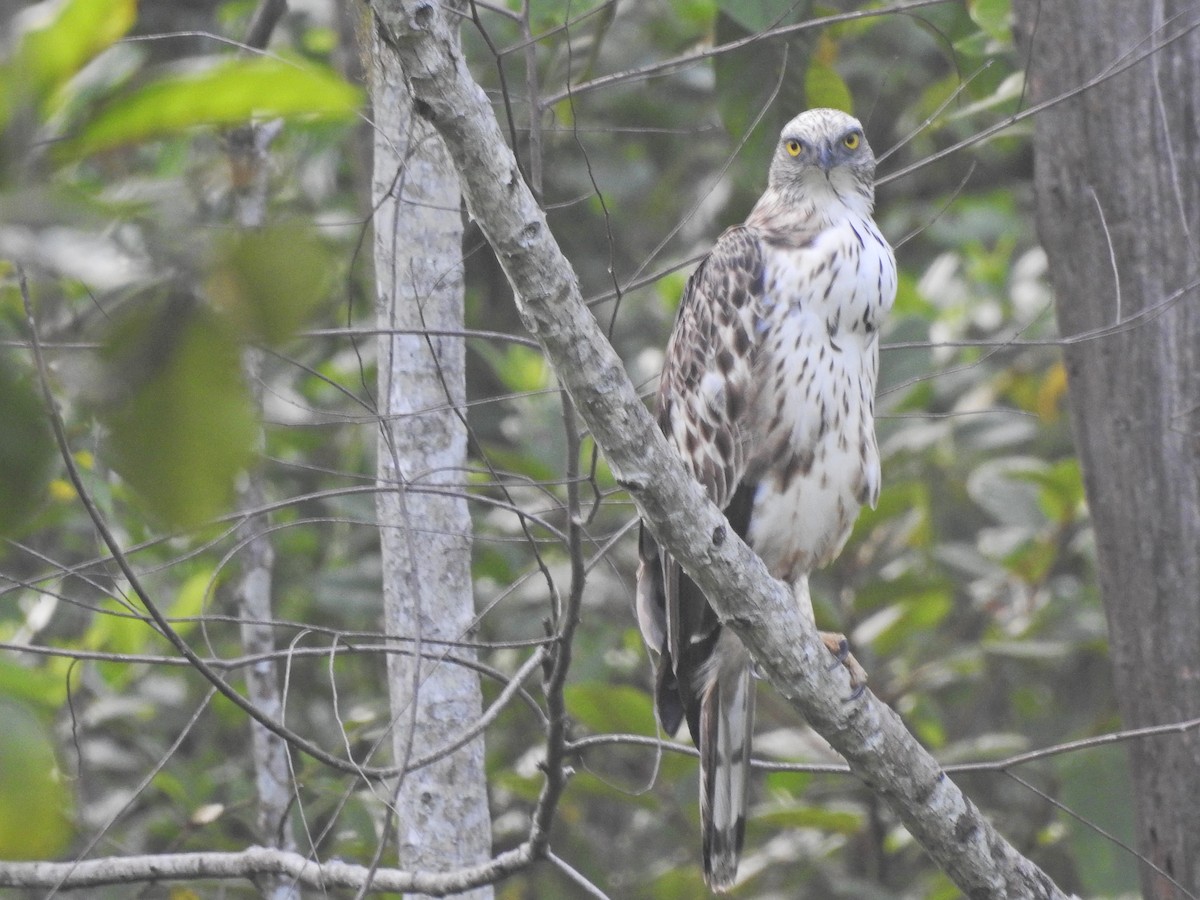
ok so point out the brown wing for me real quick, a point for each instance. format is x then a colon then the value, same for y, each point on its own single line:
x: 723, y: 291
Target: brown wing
x: 703, y: 399
x: 707, y: 375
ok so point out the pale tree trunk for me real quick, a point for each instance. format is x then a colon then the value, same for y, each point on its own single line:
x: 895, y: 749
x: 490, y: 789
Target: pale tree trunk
x: 249, y: 164
x: 1118, y: 197
x: 253, y: 594
x: 442, y: 810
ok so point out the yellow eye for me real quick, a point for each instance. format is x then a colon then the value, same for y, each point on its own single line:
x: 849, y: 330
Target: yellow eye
x: 793, y: 147
x: 852, y: 140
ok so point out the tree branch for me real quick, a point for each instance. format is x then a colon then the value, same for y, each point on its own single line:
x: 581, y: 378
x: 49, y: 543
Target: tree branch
x: 760, y: 610
x: 255, y: 862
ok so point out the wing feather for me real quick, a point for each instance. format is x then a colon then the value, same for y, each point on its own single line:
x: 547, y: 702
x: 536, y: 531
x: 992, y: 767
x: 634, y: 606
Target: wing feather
x: 708, y: 372
x: 703, y: 400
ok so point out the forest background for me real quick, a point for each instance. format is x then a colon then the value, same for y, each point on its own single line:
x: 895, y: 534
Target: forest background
x: 204, y: 298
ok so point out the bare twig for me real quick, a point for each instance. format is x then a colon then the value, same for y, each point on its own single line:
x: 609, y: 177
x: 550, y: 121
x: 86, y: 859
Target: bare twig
x: 688, y: 59
x: 1128, y: 61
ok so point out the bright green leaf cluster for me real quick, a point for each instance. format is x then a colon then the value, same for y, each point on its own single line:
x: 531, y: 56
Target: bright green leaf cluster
x: 231, y: 92
x: 49, y: 55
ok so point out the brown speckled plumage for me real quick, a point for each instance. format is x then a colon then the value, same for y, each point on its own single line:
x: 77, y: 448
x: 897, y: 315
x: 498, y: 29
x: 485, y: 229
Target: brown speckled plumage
x: 768, y: 395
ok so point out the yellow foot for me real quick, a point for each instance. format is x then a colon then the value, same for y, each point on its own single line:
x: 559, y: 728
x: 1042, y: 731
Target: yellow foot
x: 840, y: 648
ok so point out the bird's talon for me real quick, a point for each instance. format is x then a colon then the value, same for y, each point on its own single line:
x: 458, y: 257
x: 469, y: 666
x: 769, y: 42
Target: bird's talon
x: 840, y: 648
x: 843, y: 650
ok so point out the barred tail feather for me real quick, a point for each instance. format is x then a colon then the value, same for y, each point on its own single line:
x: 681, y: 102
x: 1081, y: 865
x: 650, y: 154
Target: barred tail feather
x: 726, y: 723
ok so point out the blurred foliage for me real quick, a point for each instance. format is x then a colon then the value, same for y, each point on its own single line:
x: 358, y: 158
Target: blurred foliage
x: 30, y: 830
x: 180, y: 425
x: 968, y: 593
x: 25, y: 447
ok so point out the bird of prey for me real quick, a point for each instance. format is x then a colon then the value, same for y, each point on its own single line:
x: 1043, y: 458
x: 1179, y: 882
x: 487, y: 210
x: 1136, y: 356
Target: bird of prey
x: 768, y: 395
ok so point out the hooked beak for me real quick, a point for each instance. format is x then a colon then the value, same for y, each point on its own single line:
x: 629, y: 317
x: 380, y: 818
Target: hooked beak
x: 825, y: 157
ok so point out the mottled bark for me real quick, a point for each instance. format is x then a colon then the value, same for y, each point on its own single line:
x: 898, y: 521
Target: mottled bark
x: 1119, y: 214
x: 442, y: 811
x: 255, y: 863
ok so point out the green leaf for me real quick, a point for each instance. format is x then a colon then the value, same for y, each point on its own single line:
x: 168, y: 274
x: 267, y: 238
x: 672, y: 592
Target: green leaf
x: 520, y: 368
x: 185, y: 426
x: 1006, y: 95
x: 40, y: 686
x: 889, y: 629
x: 49, y: 56
x: 606, y: 707
x: 26, y: 449
x: 230, y: 93
x: 116, y: 630
x: 837, y: 821
x: 1032, y: 560
x: 790, y: 784
x: 695, y: 14
x: 190, y: 600
x: 268, y: 281
x: 1062, y: 495
x: 993, y: 17
x: 1103, y: 872
x: 34, y: 800
x: 823, y: 86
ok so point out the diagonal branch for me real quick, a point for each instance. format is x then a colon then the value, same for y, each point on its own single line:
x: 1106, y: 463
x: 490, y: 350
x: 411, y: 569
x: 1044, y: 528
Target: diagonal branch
x: 760, y: 610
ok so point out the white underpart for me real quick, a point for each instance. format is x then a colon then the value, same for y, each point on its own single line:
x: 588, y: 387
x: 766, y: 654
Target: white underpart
x: 829, y: 359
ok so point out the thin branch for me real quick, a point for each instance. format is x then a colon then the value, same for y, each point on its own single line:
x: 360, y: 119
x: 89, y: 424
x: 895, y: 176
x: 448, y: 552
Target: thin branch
x: 136, y: 793
x: 577, y: 877
x: 564, y: 622
x: 582, y: 745
x: 247, y: 150
x: 253, y: 863
x: 135, y: 583
x: 688, y: 59
x: 512, y: 683
x: 1107, y: 835
x: 488, y: 716
x: 1128, y: 61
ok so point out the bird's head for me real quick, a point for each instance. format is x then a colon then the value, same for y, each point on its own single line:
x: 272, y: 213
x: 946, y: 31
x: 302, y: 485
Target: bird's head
x: 822, y: 152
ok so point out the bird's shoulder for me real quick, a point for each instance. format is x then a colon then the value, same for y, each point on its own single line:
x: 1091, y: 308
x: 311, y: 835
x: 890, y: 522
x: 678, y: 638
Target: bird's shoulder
x: 734, y: 266
x: 717, y: 310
